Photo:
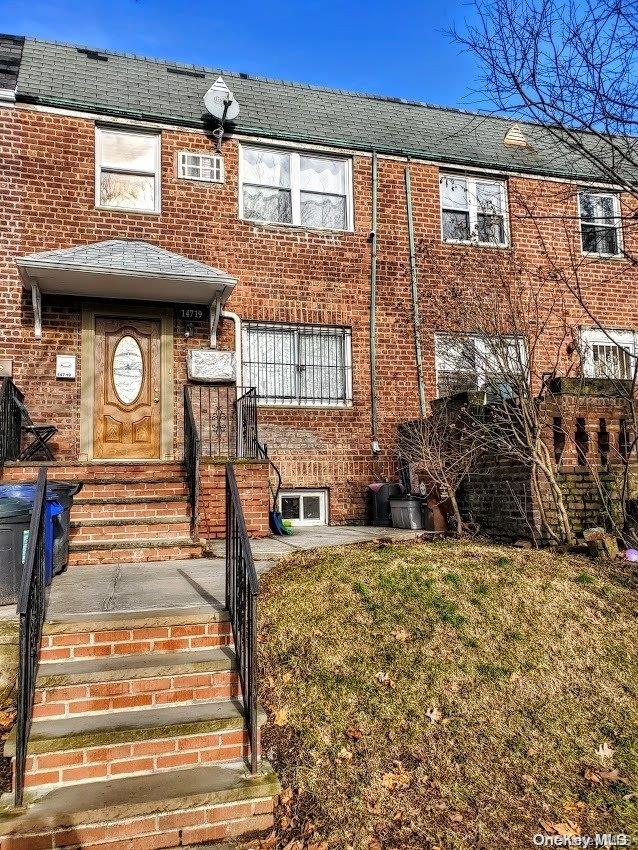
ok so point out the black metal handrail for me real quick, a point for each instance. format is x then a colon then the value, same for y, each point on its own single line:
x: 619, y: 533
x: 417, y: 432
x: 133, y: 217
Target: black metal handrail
x: 10, y: 421
x: 262, y: 452
x: 192, y: 454
x: 31, y: 610
x: 242, y: 589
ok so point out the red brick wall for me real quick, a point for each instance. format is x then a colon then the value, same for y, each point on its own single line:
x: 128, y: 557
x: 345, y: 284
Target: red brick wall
x: 252, y: 483
x: 284, y: 274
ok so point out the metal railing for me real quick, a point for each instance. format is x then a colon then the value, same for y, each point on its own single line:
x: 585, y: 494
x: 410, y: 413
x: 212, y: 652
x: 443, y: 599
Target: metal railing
x: 10, y: 421
x: 192, y: 454
x: 31, y: 610
x: 242, y: 589
x: 226, y: 419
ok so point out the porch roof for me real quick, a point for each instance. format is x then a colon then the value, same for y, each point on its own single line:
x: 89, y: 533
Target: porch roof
x: 126, y: 269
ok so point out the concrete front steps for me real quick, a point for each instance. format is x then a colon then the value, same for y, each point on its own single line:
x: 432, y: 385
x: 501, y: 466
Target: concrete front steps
x: 138, y: 738
x: 131, y: 511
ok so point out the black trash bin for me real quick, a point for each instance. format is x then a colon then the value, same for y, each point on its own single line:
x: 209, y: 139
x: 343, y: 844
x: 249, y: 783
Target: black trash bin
x: 15, y: 517
x: 64, y: 491
x: 378, y: 503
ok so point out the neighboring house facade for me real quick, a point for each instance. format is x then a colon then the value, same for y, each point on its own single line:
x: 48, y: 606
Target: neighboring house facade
x: 128, y: 240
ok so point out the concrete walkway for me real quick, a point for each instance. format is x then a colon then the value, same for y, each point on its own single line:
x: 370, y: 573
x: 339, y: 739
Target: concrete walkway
x: 200, y: 582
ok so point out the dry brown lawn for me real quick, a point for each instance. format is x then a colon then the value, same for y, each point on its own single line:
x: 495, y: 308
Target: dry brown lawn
x: 449, y: 695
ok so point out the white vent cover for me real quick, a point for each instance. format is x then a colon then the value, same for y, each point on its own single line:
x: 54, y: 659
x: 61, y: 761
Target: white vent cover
x: 200, y: 166
x: 514, y: 138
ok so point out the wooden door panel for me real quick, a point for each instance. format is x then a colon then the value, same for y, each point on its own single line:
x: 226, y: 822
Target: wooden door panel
x: 127, y: 403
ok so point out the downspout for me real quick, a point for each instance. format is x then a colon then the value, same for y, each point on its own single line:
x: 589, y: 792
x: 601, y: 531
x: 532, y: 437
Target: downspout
x: 373, y: 309
x: 415, y: 293
x: 237, y: 322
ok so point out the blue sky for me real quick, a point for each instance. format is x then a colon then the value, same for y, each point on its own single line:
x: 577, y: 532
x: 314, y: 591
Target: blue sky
x: 398, y: 49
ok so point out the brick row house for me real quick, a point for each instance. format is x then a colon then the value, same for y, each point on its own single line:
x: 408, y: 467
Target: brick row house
x: 150, y: 262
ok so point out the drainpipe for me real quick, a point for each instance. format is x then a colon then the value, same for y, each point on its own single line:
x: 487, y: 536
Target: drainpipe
x: 373, y: 310
x: 415, y: 293
x: 237, y: 322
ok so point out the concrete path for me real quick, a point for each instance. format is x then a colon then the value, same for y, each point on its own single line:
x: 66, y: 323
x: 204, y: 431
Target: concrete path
x: 200, y: 582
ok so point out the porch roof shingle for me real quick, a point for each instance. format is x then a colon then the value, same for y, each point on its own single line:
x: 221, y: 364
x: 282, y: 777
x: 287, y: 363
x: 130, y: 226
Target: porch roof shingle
x: 125, y: 256
x: 117, y: 84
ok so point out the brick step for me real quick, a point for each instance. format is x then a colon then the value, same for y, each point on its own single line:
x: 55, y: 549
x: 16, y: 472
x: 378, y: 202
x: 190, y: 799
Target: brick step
x: 134, y: 633
x: 112, y: 551
x: 163, y: 810
x: 120, y: 486
x: 66, y: 688
x: 138, y: 741
x: 129, y: 528
x: 109, y: 507
x: 81, y: 471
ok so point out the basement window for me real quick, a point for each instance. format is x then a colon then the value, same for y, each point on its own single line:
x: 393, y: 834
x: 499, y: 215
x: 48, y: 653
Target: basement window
x: 600, y: 223
x: 466, y: 363
x: 127, y: 174
x: 304, y: 507
x: 609, y: 353
x: 473, y: 210
x: 308, y: 190
x: 298, y: 365
x: 209, y: 168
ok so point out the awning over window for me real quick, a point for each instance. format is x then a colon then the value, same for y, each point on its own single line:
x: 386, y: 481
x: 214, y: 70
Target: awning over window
x: 126, y: 269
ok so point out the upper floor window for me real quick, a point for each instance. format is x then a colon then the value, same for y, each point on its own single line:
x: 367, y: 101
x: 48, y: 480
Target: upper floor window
x: 473, y: 210
x: 466, y: 362
x: 127, y: 173
x: 600, y: 223
x: 294, y: 188
x: 609, y: 353
x: 298, y: 364
x: 206, y: 167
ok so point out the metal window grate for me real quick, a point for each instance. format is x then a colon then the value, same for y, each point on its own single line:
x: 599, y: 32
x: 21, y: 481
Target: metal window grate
x: 611, y: 361
x: 298, y: 364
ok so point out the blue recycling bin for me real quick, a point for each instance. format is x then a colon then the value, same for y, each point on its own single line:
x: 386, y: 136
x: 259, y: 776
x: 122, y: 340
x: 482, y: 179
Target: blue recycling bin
x: 52, y: 509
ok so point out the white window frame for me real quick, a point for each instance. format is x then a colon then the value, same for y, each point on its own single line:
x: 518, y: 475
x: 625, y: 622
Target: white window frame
x: 323, y: 505
x: 618, y: 226
x: 292, y: 326
x: 472, y: 202
x: 295, y: 189
x: 482, y: 352
x: 626, y: 339
x: 99, y: 132
x: 182, y: 166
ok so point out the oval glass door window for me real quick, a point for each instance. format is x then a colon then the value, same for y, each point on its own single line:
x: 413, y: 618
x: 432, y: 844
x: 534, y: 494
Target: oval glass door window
x: 128, y: 369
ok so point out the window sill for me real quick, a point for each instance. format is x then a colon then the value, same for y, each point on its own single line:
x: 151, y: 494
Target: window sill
x: 593, y: 256
x: 475, y: 244
x: 127, y: 210
x: 273, y: 225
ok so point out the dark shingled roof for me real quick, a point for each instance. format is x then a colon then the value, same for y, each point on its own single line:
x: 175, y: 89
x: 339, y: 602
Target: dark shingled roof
x: 10, y: 54
x: 125, y: 85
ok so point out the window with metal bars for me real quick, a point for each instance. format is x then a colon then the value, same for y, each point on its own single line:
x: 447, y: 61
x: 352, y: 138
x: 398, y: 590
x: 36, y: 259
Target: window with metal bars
x: 298, y: 364
x: 609, y: 353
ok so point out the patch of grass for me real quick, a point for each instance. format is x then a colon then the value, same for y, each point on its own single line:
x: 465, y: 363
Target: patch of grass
x: 448, y: 693
x: 585, y: 578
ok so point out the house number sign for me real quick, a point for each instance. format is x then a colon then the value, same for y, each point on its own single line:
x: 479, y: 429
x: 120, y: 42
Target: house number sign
x: 65, y: 366
x: 192, y: 312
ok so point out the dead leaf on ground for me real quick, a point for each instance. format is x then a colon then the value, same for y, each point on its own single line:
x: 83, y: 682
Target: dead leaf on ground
x: 396, y: 779
x: 384, y: 679
x: 567, y: 828
x: 604, y: 752
x: 286, y: 796
x: 592, y: 776
x: 434, y: 714
x: 609, y: 775
x: 286, y: 678
x: 400, y: 634
x: 354, y: 733
x: 516, y: 678
x: 281, y: 717
x: 374, y: 843
x: 344, y: 754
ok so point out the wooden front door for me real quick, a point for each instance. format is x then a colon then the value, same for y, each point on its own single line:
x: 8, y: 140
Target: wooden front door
x: 127, y: 403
